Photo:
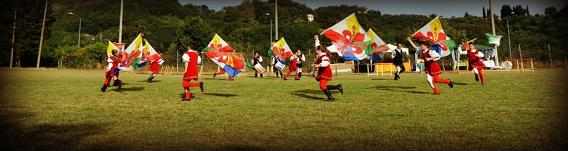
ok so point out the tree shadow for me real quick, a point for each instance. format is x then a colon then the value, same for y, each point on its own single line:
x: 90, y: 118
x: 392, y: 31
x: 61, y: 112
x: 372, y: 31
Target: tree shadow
x: 16, y: 135
x: 406, y: 89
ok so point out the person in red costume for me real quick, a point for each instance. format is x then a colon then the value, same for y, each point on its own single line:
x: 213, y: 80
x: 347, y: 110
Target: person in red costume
x: 474, y: 58
x: 433, y: 69
x: 324, y: 74
x: 112, y: 69
x: 191, y: 75
x: 155, y: 61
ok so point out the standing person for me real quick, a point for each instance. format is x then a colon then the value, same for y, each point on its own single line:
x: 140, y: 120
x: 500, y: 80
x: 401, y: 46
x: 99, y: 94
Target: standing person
x: 433, y: 69
x: 324, y: 74
x: 275, y: 69
x: 257, y: 64
x: 300, y: 59
x: 398, y: 57
x: 190, y: 77
x: 474, y: 58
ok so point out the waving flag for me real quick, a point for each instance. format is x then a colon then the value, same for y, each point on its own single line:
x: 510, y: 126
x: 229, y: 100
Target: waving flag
x: 110, y: 47
x: 150, y: 52
x: 347, y: 38
x: 282, y: 50
x: 374, y: 43
x: 218, y: 44
x: 224, y: 56
x: 434, y: 33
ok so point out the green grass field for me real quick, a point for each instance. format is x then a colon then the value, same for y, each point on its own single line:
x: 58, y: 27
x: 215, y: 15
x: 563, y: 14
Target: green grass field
x: 64, y: 110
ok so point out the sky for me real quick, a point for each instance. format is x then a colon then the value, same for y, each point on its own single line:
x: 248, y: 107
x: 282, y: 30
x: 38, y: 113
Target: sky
x: 445, y: 8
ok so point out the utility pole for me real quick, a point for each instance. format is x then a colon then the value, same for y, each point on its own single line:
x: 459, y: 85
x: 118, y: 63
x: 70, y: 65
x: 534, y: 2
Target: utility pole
x: 41, y: 36
x: 13, y: 40
x: 120, y: 25
x: 276, y: 19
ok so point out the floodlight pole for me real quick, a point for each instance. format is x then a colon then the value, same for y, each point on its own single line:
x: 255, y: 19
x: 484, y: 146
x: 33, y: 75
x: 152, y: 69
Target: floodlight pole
x: 120, y: 20
x: 13, y: 40
x: 493, y: 29
x: 276, y: 19
x: 41, y: 36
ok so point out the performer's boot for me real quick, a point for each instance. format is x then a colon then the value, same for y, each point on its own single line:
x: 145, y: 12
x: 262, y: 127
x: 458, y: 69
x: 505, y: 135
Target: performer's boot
x: 338, y: 87
x: 328, y: 95
x: 150, y: 78
x: 201, y: 86
x: 117, y: 83
x: 104, y: 88
x: 451, y: 83
x: 476, y: 77
x: 298, y: 76
x: 436, y: 91
x: 261, y: 75
x: 187, y: 96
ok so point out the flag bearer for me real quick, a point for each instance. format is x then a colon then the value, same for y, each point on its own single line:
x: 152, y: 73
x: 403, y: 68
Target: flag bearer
x: 324, y: 74
x: 190, y: 77
x: 433, y: 69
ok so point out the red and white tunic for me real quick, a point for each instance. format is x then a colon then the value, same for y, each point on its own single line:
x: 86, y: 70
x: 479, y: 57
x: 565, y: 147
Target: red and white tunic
x: 474, y: 59
x: 324, y: 67
x: 431, y: 62
x: 191, y: 59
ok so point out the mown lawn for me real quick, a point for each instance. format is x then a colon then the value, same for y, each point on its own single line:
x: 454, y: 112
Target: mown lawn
x: 64, y: 110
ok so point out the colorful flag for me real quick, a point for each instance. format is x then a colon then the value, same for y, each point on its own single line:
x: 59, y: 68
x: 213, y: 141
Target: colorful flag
x: 374, y: 44
x: 282, y: 50
x: 224, y: 56
x: 434, y: 33
x: 347, y: 38
x: 217, y: 43
x: 495, y: 40
x: 111, y: 47
x: 152, y: 54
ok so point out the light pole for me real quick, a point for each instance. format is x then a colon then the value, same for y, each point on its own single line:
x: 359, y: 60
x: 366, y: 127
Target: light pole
x: 268, y: 14
x: 493, y: 29
x: 13, y: 41
x: 80, y: 24
x: 41, y: 36
x: 120, y: 20
x: 509, y: 39
x: 276, y: 19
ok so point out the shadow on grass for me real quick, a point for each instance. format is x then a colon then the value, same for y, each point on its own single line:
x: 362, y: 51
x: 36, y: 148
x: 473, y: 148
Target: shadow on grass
x: 146, y: 81
x: 123, y: 89
x: 16, y: 135
x: 220, y: 94
x: 406, y: 89
x: 311, y: 94
x: 461, y: 83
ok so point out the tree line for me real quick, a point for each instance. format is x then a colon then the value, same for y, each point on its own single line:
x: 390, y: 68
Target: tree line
x: 172, y: 27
